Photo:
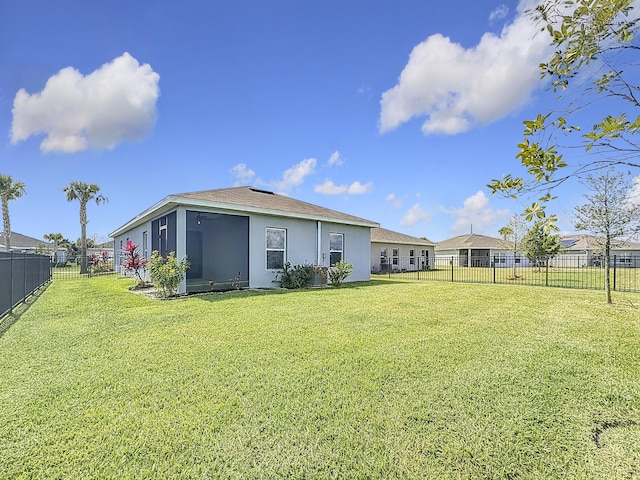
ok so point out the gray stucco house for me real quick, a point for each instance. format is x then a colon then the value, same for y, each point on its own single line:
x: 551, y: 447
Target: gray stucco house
x: 587, y: 251
x: 395, y: 251
x: 474, y: 250
x: 244, y: 235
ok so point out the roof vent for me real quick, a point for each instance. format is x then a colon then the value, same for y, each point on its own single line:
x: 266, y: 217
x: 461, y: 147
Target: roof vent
x: 257, y: 190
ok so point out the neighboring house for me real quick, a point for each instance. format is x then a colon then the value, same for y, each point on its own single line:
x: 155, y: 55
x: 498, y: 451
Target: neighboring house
x: 586, y: 251
x: 244, y: 236
x: 393, y: 251
x: 475, y: 250
x: 101, y: 248
x: 25, y: 244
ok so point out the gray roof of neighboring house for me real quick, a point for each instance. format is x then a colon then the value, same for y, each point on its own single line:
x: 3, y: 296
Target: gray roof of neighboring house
x: 248, y: 200
x: 22, y: 241
x: 382, y: 235
x: 589, y: 242
x: 472, y: 240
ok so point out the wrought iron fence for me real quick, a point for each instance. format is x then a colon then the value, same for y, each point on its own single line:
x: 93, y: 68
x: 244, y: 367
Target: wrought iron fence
x: 21, y: 274
x: 98, y: 265
x: 567, y: 271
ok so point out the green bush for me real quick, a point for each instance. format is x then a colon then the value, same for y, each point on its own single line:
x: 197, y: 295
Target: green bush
x: 339, y: 272
x: 167, y: 274
x: 298, y: 276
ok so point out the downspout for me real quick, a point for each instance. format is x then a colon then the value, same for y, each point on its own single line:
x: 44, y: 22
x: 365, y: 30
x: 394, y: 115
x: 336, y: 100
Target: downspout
x: 319, y: 243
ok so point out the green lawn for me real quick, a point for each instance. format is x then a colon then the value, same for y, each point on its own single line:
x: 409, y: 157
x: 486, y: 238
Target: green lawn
x: 392, y: 379
x: 623, y: 279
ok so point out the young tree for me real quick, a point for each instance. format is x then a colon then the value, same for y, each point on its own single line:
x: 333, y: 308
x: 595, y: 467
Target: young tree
x: 540, y: 244
x: 596, y: 47
x: 512, y: 235
x: 84, y: 193
x: 609, y: 214
x: 56, y: 239
x: 9, y: 190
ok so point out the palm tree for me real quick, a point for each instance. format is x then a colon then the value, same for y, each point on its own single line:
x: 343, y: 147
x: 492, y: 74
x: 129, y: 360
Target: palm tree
x: 56, y: 239
x: 9, y: 190
x: 83, y: 192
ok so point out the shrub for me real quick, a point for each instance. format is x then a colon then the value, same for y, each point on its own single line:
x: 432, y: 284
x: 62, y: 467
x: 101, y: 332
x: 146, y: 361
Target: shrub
x: 101, y: 262
x: 339, y: 272
x: 167, y: 274
x: 133, y: 263
x: 298, y: 276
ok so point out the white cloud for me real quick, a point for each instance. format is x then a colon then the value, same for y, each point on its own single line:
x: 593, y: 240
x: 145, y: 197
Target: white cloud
x: 115, y: 103
x: 357, y: 188
x: 295, y: 175
x: 476, y: 213
x: 335, y: 159
x: 242, y: 173
x: 415, y: 215
x: 395, y: 202
x: 499, y: 13
x: 330, y: 188
x: 634, y: 193
x: 458, y: 88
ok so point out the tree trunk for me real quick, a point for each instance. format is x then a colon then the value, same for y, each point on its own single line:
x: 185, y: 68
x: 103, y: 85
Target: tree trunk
x: 6, y: 224
x: 83, y: 238
x: 607, y: 273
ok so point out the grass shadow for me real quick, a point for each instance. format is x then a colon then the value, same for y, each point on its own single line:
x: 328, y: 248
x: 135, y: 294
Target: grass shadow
x: 8, y: 320
x: 247, y: 293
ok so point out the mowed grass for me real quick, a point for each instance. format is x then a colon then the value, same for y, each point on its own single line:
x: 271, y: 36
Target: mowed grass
x: 622, y: 279
x: 388, y: 379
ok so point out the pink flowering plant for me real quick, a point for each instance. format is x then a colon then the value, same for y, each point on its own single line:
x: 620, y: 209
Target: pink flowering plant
x: 133, y: 263
x: 100, y: 262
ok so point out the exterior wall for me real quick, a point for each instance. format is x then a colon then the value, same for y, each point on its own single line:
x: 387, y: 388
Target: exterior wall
x: 357, y: 241
x: 591, y: 258
x: 136, y: 235
x: 301, y: 244
x: 403, y: 257
x: 302, y: 247
x: 505, y: 258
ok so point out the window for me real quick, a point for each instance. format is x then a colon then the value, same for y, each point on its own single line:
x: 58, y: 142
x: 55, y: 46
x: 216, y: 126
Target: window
x: 145, y: 245
x: 336, y: 247
x: 395, y: 254
x: 276, y: 248
x: 412, y: 260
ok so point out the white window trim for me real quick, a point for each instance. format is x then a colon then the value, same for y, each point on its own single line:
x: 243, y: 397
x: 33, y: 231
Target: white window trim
x: 332, y: 250
x: 267, y: 249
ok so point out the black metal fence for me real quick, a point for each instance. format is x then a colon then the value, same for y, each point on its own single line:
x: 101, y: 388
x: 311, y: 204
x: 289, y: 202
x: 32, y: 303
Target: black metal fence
x: 98, y: 265
x: 21, y: 274
x: 567, y: 271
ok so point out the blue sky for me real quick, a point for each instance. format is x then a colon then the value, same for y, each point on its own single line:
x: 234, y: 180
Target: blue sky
x: 399, y: 112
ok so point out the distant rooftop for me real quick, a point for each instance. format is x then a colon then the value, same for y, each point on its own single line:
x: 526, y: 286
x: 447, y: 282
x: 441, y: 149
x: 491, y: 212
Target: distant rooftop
x: 382, y: 235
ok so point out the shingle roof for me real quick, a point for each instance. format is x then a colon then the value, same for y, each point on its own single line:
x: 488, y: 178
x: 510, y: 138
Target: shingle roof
x: 382, y: 235
x: 589, y: 242
x: 472, y: 240
x: 250, y: 199
x: 22, y: 241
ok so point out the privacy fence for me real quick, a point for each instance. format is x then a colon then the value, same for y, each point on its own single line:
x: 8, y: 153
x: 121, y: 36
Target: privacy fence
x: 21, y: 274
x: 568, y: 271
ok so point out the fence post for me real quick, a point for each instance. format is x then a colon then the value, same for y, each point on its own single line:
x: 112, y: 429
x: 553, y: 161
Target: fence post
x: 452, y: 269
x: 546, y: 271
x: 614, y: 271
x: 25, y: 278
x: 494, y: 269
x: 11, y: 290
